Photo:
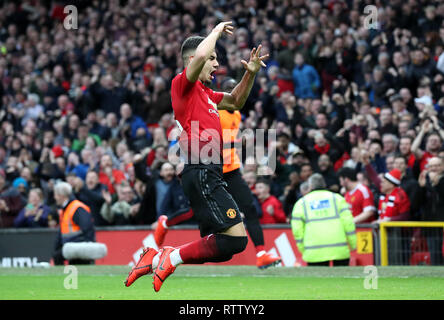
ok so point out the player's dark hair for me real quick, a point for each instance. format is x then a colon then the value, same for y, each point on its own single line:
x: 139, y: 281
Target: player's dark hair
x: 347, y: 172
x: 190, y: 44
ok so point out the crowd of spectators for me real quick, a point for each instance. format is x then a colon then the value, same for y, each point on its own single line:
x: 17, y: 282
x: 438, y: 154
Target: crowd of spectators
x: 92, y: 106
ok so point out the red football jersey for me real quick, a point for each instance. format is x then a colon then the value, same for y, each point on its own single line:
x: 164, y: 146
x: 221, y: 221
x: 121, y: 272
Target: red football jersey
x: 195, y: 111
x: 360, y: 199
x: 393, y: 204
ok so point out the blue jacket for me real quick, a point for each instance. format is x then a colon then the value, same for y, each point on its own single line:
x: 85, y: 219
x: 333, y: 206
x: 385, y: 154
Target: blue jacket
x: 136, y: 122
x: 305, y: 77
x: 175, y: 201
x: 28, y: 222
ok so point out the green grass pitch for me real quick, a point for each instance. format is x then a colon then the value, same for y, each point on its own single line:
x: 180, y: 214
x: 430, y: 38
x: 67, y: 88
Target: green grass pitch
x: 214, y: 282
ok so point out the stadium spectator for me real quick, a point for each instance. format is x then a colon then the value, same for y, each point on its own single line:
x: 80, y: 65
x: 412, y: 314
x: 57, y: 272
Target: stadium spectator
x: 305, y: 172
x: 148, y: 206
x: 35, y: 213
x: 175, y: 203
x: 108, y: 175
x: 176, y: 208
x: 405, y: 149
x: 358, y: 196
x: 121, y: 211
x: 325, y: 168
x: 410, y: 185
x: 291, y: 193
x: 163, y: 183
x: 272, y: 211
x: 95, y: 127
x: 159, y: 102
x: 11, y: 202
x: 432, y: 187
x: 75, y: 166
x: 130, y: 123
x: 81, y: 140
x: 432, y: 146
x: 107, y: 91
x: 394, y: 205
x: 90, y: 192
x: 157, y: 157
x: 389, y: 143
x: 305, y: 78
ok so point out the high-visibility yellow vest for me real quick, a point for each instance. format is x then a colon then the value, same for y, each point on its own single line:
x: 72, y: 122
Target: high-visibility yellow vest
x: 323, y: 227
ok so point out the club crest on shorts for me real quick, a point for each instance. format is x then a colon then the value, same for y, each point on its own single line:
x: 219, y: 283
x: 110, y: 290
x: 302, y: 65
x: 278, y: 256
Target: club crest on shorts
x: 231, y: 213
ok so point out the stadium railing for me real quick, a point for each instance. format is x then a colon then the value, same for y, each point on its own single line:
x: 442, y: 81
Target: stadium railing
x: 411, y: 243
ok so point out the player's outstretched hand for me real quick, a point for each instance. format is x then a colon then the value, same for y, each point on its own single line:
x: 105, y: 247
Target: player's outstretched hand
x: 256, y: 61
x: 224, y: 27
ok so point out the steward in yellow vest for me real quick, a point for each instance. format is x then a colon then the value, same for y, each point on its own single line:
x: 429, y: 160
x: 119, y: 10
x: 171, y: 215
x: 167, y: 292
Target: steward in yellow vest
x: 323, y: 226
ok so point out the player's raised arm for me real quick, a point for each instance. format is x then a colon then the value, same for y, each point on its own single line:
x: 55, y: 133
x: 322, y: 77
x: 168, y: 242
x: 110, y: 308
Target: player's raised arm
x: 236, y: 99
x: 195, y: 60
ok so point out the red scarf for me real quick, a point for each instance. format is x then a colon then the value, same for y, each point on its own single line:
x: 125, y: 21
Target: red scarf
x: 322, y: 150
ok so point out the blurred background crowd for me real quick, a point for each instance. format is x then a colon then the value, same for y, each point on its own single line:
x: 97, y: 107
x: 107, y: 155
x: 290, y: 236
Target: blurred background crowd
x: 92, y: 106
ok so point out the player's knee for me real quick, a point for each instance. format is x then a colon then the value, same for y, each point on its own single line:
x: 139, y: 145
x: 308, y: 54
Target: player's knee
x: 240, y: 245
x: 229, y: 245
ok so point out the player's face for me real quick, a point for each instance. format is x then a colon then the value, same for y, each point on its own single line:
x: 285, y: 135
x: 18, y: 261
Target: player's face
x: 210, y: 66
